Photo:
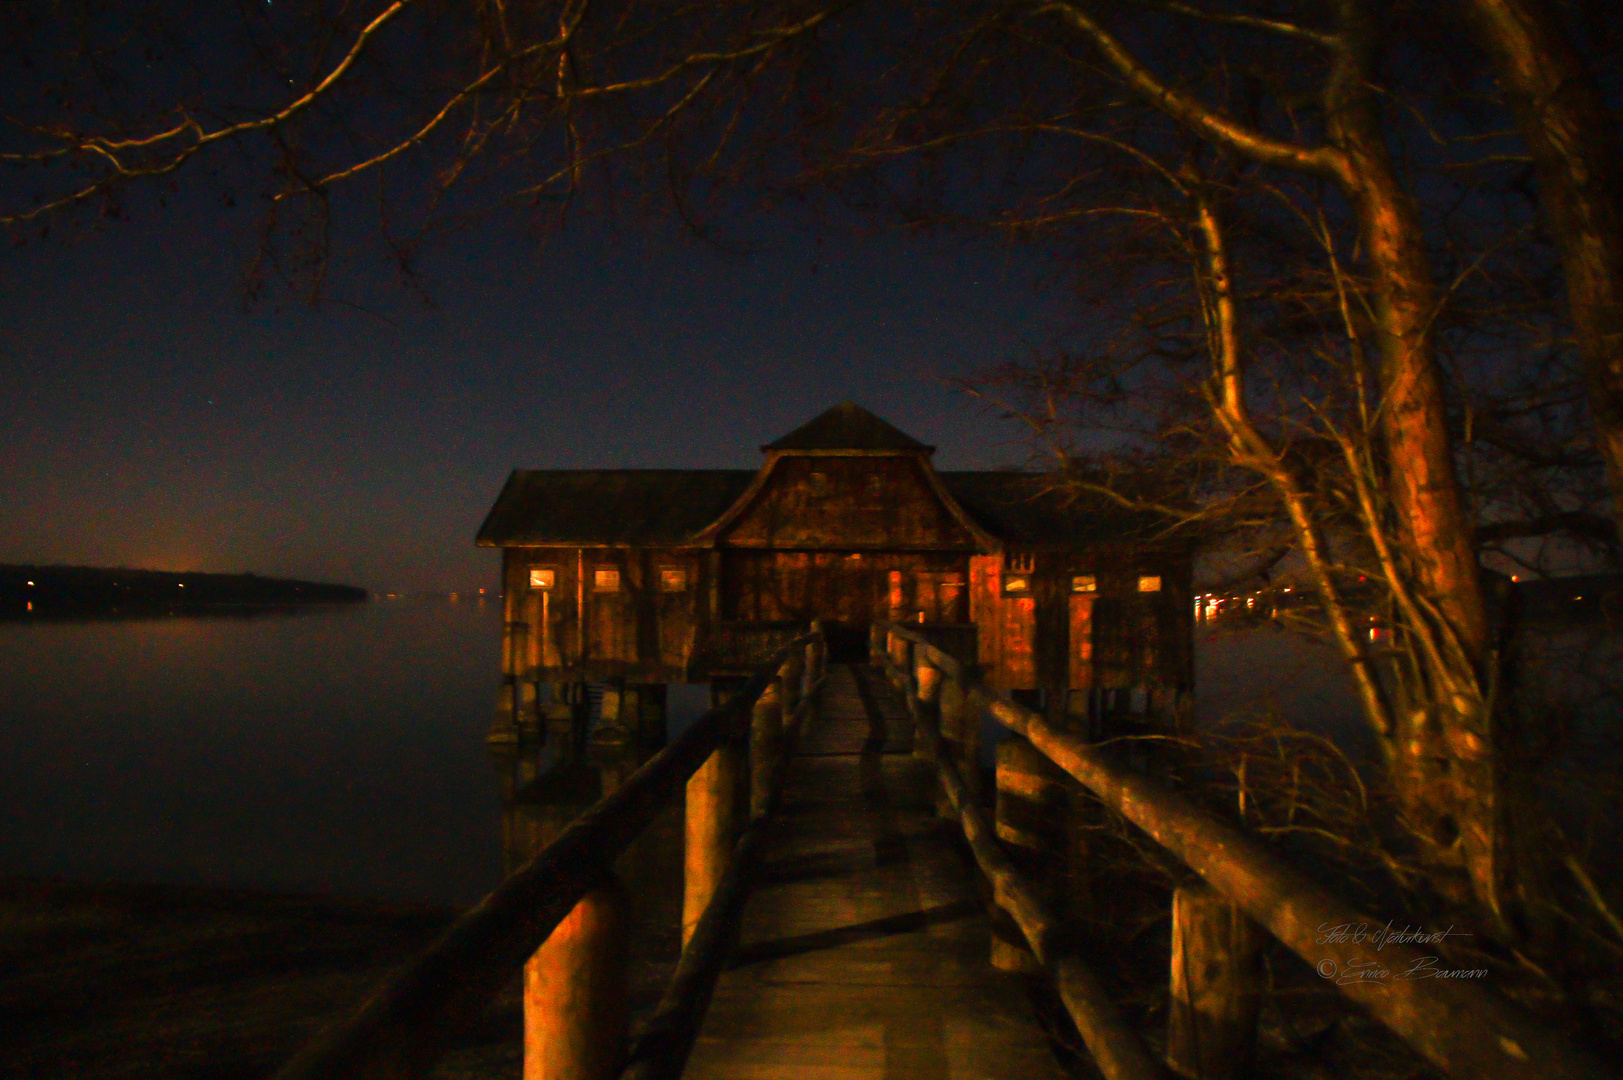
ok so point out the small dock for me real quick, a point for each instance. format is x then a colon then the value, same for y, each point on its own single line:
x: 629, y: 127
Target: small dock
x: 864, y: 945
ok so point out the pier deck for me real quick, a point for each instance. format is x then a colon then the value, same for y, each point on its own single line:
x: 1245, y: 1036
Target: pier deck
x: 864, y: 948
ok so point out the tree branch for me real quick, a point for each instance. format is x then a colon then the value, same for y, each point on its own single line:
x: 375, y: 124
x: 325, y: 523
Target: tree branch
x: 1187, y: 110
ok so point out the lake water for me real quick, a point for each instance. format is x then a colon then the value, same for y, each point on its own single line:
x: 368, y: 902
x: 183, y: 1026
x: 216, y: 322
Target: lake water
x: 341, y: 750
x: 337, y: 750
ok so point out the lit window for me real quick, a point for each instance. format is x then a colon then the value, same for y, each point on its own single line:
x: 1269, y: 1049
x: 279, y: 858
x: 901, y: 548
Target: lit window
x: 542, y: 579
x: 1085, y: 583
x: 673, y: 579
x: 1016, y: 585
x: 605, y: 580
x: 1149, y: 583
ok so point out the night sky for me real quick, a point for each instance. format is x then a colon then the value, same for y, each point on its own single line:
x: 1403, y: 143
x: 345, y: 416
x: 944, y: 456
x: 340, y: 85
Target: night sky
x: 157, y: 419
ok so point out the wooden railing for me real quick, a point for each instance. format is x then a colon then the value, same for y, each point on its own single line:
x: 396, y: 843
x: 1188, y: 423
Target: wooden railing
x: 561, y: 916
x: 1463, y: 1027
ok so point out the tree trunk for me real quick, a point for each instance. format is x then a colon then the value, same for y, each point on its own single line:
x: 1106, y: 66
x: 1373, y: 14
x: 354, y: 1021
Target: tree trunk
x: 1439, y: 742
x: 1440, y: 747
x: 1574, y: 142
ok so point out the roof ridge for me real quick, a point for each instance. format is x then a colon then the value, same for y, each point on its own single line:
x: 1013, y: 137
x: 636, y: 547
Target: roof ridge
x: 848, y: 426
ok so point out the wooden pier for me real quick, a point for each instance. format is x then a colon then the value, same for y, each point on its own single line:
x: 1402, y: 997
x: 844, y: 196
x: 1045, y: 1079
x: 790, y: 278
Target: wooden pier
x: 864, y: 945
x: 836, y: 930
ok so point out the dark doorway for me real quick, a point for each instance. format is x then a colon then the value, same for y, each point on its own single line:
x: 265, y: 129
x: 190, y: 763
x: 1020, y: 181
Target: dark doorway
x: 847, y: 642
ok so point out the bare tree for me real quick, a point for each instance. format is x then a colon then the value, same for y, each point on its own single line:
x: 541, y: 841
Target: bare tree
x: 1053, y: 119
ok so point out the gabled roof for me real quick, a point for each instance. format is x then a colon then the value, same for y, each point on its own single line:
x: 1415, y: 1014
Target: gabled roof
x: 682, y: 507
x: 591, y: 507
x: 847, y: 426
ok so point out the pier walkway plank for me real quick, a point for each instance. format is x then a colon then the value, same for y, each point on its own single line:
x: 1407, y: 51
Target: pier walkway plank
x: 864, y: 947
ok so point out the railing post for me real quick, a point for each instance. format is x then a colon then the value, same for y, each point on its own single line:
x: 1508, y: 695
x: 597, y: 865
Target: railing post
x: 792, y: 674
x: 876, y: 644
x: 1216, y: 986
x: 961, y: 730
x: 901, y: 658
x: 816, y: 655
x: 1030, y: 815
x: 766, y: 743
x: 614, y: 708
x: 928, y: 680
x: 576, y: 1011
x: 558, y: 723
x: 712, y: 828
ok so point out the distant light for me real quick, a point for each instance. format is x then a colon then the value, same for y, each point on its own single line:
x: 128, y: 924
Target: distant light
x: 30, y: 583
x: 180, y: 586
x: 30, y: 603
x: 1515, y: 577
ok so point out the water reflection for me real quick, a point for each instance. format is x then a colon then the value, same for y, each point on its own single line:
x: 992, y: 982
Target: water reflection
x: 585, y: 747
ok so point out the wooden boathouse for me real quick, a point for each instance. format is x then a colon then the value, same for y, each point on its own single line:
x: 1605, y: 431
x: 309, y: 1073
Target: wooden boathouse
x: 638, y: 578
x: 852, y: 902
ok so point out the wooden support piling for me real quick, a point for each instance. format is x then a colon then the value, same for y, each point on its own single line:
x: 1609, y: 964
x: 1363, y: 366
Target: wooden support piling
x: 1217, y: 984
x: 558, y: 729
x: 650, y: 714
x: 575, y: 992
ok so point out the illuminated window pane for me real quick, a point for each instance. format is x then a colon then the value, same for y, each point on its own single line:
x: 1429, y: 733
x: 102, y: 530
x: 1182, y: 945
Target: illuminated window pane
x: 543, y: 579
x: 1016, y: 585
x: 1085, y: 583
x: 606, y: 580
x: 673, y: 579
x: 1149, y: 583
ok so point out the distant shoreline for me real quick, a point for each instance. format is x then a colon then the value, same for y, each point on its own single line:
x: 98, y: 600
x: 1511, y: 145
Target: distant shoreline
x: 76, y: 592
